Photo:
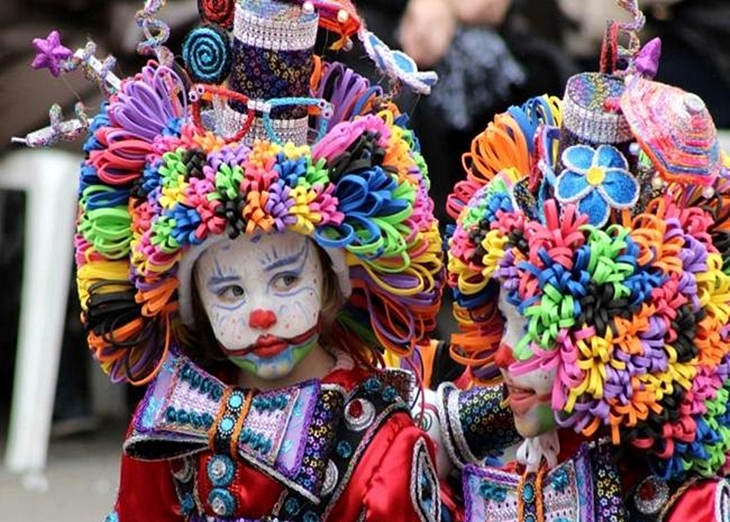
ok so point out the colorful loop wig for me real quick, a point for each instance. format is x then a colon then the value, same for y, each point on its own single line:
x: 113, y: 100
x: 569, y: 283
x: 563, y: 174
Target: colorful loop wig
x: 163, y: 175
x: 624, y: 283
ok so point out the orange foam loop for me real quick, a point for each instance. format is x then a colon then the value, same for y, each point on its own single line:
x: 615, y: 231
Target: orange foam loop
x: 500, y: 146
x: 592, y: 427
x: 155, y: 300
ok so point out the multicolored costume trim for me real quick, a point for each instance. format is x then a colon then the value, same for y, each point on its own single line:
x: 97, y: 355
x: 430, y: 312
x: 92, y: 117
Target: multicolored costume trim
x: 567, y: 492
x: 187, y: 411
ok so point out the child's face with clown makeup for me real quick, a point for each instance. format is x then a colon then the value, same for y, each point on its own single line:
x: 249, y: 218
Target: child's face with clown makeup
x: 529, y: 392
x: 263, y: 296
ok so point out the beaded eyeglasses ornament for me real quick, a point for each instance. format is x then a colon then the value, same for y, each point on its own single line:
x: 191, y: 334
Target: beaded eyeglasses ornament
x: 252, y: 134
x: 605, y: 218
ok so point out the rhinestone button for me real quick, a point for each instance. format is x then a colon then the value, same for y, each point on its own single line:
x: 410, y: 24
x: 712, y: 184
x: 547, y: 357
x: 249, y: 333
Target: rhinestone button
x: 221, y: 502
x: 218, y: 469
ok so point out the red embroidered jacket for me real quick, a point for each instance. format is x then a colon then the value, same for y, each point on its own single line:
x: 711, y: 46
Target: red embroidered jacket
x: 341, y: 449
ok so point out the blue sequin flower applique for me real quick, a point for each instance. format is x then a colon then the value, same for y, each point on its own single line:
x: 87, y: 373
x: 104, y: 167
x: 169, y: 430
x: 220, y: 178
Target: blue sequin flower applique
x: 598, y: 180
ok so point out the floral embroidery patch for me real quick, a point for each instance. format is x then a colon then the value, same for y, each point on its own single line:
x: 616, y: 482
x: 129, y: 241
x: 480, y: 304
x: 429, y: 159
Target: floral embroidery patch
x: 597, y: 180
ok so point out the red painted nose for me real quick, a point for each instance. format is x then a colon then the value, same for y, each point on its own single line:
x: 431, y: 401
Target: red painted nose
x: 504, y: 358
x: 262, y: 319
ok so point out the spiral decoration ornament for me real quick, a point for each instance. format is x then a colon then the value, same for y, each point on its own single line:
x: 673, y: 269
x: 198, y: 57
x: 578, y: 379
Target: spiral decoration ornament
x: 207, y: 54
x: 218, y: 12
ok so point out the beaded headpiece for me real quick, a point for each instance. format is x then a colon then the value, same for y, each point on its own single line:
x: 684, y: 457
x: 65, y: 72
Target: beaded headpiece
x: 254, y: 134
x: 605, y: 220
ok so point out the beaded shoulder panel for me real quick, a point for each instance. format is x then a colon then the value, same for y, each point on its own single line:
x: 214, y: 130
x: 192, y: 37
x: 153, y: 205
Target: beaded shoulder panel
x: 309, y: 437
x: 574, y: 490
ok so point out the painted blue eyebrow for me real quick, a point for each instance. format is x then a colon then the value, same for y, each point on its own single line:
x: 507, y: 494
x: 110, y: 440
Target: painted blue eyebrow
x: 219, y: 280
x: 289, y: 260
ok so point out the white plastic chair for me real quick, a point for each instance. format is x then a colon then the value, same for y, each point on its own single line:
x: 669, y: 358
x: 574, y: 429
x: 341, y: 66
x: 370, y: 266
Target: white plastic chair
x: 49, y: 179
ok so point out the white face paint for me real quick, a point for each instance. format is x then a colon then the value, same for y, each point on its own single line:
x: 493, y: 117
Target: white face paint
x: 263, y: 296
x: 529, y: 392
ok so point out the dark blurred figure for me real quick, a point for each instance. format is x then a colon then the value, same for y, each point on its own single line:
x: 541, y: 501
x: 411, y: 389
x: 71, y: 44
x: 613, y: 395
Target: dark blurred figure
x: 696, y: 50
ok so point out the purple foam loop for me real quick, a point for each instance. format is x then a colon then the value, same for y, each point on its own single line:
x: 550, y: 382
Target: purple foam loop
x: 386, y: 330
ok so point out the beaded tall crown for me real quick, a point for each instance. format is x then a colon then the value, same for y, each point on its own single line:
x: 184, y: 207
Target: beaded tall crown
x: 604, y: 218
x: 254, y: 134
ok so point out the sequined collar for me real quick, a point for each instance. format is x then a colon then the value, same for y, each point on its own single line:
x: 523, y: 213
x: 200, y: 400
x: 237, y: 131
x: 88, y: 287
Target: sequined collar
x: 585, y: 487
x: 287, y: 433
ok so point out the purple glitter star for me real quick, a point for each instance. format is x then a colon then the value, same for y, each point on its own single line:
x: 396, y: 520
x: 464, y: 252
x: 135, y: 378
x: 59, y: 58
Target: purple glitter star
x: 50, y: 53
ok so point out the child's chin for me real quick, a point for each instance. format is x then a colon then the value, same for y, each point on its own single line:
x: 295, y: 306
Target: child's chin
x: 529, y: 428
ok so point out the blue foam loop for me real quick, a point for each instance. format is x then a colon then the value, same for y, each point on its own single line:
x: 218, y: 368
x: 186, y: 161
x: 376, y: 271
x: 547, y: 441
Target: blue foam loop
x: 91, y: 143
x: 151, y: 176
x: 97, y: 122
x: 667, y: 469
x: 173, y: 126
x: 526, y: 126
x: 529, y: 116
x: 403, y: 121
x: 359, y: 105
x: 448, y: 233
x: 369, y: 193
x: 351, y: 191
x: 88, y: 177
x: 186, y: 221
x: 641, y: 284
x: 539, y: 110
x: 705, y: 433
x: 526, y: 266
x: 471, y: 301
x: 102, y: 196
x: 550, y: 136
x: 513, y: 298
x: 495, y: 202
x: 331, y: 236
x: 524, y: 304
x: 290, y: 170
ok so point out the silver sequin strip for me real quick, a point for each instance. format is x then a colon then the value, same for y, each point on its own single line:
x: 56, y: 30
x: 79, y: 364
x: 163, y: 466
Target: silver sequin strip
x: 279, y: 35
x: 596, y: 127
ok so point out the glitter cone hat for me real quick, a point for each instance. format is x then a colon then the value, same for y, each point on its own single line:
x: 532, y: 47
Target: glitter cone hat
x: 253, y: 134
x: 605, y: 218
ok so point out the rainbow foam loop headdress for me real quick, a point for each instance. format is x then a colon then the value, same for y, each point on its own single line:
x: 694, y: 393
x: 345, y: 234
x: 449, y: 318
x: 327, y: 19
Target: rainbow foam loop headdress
x: 607, y: 224
x: 280, y: 141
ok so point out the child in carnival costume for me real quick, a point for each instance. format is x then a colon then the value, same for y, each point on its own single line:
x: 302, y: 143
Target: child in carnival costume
x: 254, y: 233
x: 590, y: 265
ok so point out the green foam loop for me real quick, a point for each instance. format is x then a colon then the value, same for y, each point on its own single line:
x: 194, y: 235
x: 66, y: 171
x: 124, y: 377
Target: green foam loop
x: 404, y: 191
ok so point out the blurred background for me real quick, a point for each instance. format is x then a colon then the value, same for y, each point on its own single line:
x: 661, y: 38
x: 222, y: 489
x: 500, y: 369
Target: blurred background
x: 489, y: 55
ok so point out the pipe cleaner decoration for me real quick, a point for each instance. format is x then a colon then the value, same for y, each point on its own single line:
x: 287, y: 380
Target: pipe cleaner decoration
x: 269, y: 139
x: 605, y: 219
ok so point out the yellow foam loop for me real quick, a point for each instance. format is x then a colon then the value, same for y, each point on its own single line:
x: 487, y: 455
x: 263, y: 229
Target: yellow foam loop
x: 91, y: 273
x: 596, y: 353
